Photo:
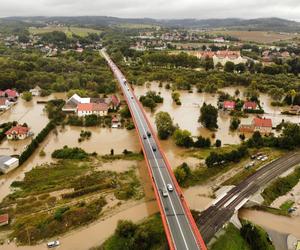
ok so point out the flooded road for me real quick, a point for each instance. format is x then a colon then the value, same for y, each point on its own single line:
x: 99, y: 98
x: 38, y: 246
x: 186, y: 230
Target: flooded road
x: 282, y: 224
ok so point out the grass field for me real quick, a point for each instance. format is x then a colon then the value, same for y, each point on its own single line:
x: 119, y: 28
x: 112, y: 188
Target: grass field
x: 256, y: 36
x: 68, y: 30
x: 231, y: 240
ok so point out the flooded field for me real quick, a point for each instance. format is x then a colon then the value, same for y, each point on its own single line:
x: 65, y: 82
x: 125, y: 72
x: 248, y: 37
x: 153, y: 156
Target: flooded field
x: 282, y: 224
x: 186, y: 115
x: 97, y: 232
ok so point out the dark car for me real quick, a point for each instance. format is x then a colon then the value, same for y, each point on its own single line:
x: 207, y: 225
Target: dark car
x: 144, y: 137
x: 154, y: 148
x: 148, y: 134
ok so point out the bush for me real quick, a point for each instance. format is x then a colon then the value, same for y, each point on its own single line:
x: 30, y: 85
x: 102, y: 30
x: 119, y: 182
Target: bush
x: 70, y: 153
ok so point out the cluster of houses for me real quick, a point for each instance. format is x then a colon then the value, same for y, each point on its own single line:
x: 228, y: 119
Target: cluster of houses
x: 222, y: 56
x: 83, y: 106
x: 263, y: 125
x: 7, y: 98
x: 248, y: 105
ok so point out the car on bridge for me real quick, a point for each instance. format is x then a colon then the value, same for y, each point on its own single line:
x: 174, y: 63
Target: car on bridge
x: 170, y: 187
x: 164, y: 192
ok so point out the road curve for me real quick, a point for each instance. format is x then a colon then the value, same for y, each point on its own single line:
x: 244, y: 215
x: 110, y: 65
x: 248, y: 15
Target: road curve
x: 179, y: 225
x: 213, y: 218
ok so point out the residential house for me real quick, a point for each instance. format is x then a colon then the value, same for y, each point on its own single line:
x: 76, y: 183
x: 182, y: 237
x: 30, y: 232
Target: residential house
x: 4, y: 103
x: 115, y: 122
x: 36, y: 91
x: 8, y: 163
x: 263, y: 125
x: 10, y: 94
x: 18, y: 133
x: 99, y: 109
x: 4, y: 219
x: 73, y: 101
x: 229, y: 105
x: 248, y: 105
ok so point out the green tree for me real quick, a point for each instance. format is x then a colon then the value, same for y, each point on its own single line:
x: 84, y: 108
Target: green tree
x: 209, y: 116
x: 234, y: 123
x: 183, y: 138
x: 164, y: 124
x: 229, y: 67
x: 27, y: 96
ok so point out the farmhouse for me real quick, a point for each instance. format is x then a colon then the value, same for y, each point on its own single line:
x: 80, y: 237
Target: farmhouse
x: 84, y: 109
x: 263, y: 125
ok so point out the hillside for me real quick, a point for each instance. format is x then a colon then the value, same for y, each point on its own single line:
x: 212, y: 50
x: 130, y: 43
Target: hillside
x: 260, y: 24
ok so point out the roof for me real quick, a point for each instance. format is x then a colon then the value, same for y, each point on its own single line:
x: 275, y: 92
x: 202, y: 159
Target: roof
x: 5, y: 161
x: 77, y: 99
x: 11, y: 93
x: 115, y: 100
x: 250, y: 105
x: 4, y: 218
x: 262, y: 122
x: 2, y: 93
x: 115, y: 119
x: 229, y: 104
x: 17, y: 130
x: 92, y: 107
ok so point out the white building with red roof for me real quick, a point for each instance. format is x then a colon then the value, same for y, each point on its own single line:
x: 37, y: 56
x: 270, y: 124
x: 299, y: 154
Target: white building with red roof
x: 263, y: 125
x: 229, y: 105
x: 18, y: 133
x: 100, y: 109
x: 248, y: 105
x: 12, y: 95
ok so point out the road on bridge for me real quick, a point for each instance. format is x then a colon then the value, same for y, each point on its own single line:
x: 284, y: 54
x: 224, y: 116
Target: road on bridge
x: 181, y: 230
x: 213, y: 218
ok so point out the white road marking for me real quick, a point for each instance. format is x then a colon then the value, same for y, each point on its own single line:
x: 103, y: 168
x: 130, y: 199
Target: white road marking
x: 119, y: 76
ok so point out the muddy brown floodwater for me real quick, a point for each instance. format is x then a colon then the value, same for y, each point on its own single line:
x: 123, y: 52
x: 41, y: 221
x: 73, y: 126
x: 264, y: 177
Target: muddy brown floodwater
x: 282, y: 224
x: 187, y: 114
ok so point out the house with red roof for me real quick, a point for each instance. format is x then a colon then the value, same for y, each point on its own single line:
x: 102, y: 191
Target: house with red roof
x: 100, y: 109
x: 229, y: 105
x: 18, y: 133
x: 248, y: 105
x: 263, y: 125
x: 12, y: 95
x: 4, y: 219
x: 115, y: 122
x: 115, y: 101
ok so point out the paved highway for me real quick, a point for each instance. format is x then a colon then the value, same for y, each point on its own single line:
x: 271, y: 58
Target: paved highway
x: 182, y: 234
x: 213, y: 218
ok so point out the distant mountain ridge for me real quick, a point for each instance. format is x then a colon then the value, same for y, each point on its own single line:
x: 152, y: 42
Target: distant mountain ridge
x: 272, y: 24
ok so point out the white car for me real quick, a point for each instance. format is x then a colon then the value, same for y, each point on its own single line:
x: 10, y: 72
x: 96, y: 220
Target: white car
x: 170, y: 187
x: 52, y: 244
x: 164, y: 193
x: 264, y: 158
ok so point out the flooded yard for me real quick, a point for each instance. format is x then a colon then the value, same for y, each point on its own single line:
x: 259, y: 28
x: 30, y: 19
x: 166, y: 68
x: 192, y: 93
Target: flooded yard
x: 187, y: 114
